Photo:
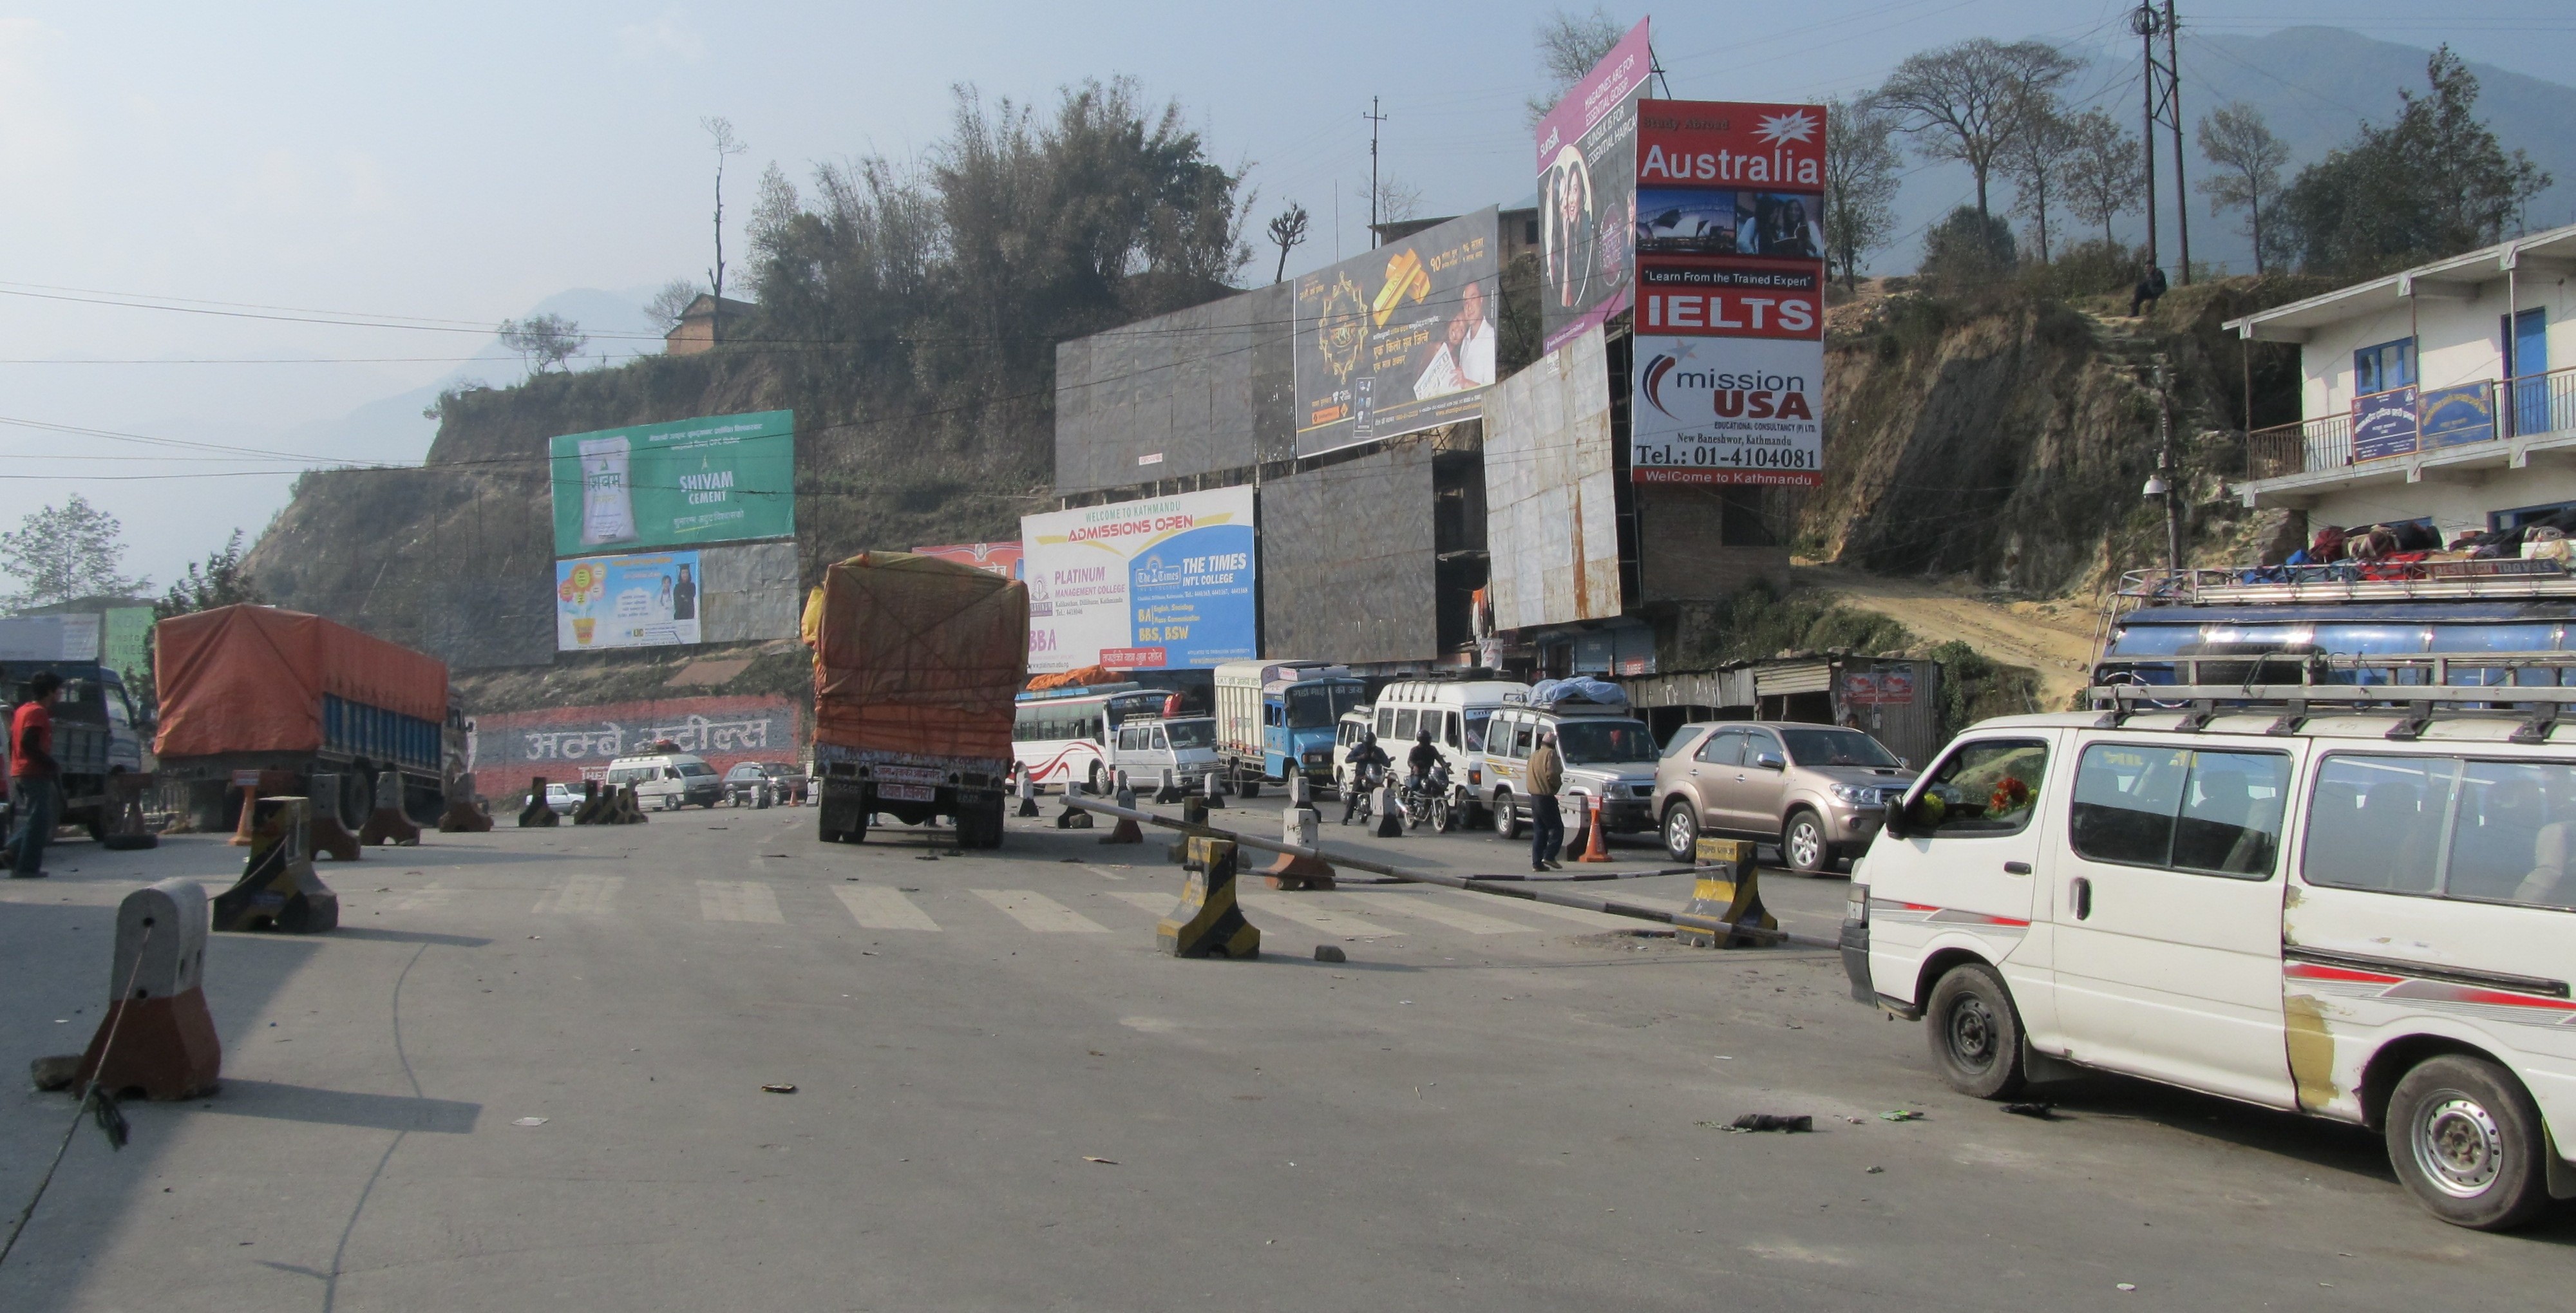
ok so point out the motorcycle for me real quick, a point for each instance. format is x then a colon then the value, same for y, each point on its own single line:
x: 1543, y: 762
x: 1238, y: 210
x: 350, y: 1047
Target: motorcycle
x: 1425, y: 800
x: 1360, y: 795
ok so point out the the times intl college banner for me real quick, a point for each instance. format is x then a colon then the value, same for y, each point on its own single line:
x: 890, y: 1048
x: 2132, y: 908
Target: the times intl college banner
x: 1163, y: 583
x: 573, y: 743
x: 1730, y: 355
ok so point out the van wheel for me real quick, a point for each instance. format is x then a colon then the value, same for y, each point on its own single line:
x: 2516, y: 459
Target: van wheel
x: 1507, y: 820
x: 1681, y: 832
x: 1975, y: 1034
x: 2465, y: 1138
x: 1803, y: 844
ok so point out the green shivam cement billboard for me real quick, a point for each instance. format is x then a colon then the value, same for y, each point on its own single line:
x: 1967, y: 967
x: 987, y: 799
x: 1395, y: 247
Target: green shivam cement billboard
x: 720, y: 479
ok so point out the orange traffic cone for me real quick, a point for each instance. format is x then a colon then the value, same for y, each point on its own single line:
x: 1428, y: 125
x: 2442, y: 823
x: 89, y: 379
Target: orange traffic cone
x: 1594, y: 849
x: 249, y: 817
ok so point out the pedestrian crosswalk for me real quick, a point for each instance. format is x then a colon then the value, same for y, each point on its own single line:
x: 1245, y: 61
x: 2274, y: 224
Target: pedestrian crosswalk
x: 877, y: 908
x: 1040, y: 913
x: 738, y: 900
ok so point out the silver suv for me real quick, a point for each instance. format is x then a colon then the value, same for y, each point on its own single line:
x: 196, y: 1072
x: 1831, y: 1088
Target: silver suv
x: 1607, y: 754
x: 1818, y: 791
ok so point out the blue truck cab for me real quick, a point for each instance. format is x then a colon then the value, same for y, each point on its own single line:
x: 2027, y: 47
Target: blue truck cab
x: 1275, y: 719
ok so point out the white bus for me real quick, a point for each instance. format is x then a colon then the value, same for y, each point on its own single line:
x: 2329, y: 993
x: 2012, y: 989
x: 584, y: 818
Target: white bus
x: 1064, y: 734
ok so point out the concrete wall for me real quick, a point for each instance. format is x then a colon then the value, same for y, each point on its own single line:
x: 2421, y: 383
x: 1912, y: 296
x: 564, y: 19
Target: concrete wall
x: 1349, y: 567
x: 1194, y: 392
x: 1551, y: 490
x: 1682, y: 549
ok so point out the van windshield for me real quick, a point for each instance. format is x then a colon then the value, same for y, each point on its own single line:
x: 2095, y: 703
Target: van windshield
x: 1835, y: 747
x: 1476, y: 722
x: 1589, y: 741
x: 1191, y: 733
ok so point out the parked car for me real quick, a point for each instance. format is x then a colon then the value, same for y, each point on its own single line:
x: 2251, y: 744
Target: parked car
x: 1818, y: 791
x: 562, y: 799
x: 668, y: 780
x: 1608, y: 754
x: 757, y: 784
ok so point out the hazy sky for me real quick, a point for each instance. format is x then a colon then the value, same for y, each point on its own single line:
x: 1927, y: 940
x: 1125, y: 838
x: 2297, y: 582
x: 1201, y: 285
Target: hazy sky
x: 458, y: 163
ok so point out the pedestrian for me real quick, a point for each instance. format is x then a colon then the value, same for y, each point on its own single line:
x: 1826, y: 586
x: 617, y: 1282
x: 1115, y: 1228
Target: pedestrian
x: 1547, y: 825
x: 32, y: 775
x: 2149, y: 290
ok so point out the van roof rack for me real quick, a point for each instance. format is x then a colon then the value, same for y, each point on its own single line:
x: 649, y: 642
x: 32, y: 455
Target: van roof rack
x: 2303, y: 685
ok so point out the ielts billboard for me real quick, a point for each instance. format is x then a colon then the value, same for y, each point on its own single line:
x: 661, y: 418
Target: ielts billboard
x: 1730, y: 293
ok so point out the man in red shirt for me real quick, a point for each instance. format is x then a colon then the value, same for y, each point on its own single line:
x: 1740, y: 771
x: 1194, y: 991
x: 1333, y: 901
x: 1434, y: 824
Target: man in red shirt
x: 33, y: 777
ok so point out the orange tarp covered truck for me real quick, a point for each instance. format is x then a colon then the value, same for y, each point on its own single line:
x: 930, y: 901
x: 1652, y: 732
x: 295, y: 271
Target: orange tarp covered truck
x: 917, y: 662
x: 293, y: 696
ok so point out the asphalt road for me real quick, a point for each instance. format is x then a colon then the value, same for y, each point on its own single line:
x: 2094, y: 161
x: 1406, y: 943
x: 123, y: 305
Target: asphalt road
x: 1007, y: 1100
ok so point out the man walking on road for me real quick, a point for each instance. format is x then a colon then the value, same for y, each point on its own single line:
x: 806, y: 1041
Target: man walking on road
x: 1547, y: 825
x: 32, y: 775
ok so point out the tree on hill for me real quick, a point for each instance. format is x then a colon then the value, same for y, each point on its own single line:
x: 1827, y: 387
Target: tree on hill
x: 221, y: 581
x: 543, y: 341
x: 2434, y: 182
x: 1569, y: 44
x: 1860, y: 183
x: 1970, y: 101
x: 2102, y: 176
x: 65, y: 553
x: 2248, y: 159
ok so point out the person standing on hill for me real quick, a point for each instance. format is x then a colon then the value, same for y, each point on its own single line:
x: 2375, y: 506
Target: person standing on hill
x: 32, y: 775
x: 1546, y: 775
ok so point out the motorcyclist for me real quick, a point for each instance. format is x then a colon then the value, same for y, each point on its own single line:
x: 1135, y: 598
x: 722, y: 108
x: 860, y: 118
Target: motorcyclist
x: 1366, y: 755
x: 1421, y: 762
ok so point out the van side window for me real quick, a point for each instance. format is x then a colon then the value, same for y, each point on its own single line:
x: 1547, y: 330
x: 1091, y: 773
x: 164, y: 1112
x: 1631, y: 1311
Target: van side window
x: 2377, y: 823
x: 1404, y: 724
x: 2218, y: 812
x: 1981, y: 789
x: 2509, y: 841
x: 1385, y: 721
x: 1477, y: 721
x: 1524, y: 737
x: 1450, y: 734
x: 1159, y: 741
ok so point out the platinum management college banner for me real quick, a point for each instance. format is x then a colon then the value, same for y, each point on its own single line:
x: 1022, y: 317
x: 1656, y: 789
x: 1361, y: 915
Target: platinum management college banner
x: 1730, y: 356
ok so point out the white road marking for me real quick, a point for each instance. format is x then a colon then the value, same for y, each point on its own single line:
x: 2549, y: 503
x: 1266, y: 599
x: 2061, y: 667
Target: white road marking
x: 882, y: 909
x: 581, y: 895
x: 1594, y: 920
x: 1039, y: 912
x: 1431, y: 909
x: 1104, y: 873
x: 1305, y: 911
x: 427, y: 898
x: 738, y: 900
x: 1160, y: 905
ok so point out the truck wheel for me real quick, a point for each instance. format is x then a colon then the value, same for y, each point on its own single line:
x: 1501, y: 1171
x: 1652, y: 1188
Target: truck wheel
x: 357, y: 800
x: 1507, y: 820
x: 1248, y: 785
x: 1803, y: 844
x: 96, y: 824
x: 1975, y: 1034
x: 2466, y: 1139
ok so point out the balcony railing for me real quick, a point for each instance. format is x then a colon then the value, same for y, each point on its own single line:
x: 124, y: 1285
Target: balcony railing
x: 2394, y: 425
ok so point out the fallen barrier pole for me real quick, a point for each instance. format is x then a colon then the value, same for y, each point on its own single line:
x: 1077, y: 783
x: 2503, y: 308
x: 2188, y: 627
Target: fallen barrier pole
x: 1470, y: 883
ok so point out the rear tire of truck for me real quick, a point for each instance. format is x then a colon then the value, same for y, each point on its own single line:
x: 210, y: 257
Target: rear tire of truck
x: 2466, y: 1140
x: 1975, y: 1033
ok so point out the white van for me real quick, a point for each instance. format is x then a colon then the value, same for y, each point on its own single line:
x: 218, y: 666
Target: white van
x: 1145, y: 747
x: 1457, y: 712
x: 2365, y: 915
x: 668, y: 780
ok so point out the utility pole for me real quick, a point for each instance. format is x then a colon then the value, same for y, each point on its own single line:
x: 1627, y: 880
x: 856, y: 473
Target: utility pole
x: 1374, y: 119
x: 2168, y: 475
x: 2163, y: 99
x: 2173, y: 102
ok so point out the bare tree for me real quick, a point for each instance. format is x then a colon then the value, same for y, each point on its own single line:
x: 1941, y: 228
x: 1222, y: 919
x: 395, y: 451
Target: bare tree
x: 720, y: 130
x: 2042, y: 141
x: 2102, y: 176
x: 1569, y: 44
x: 1965, y: 102
x: 544, y: 341
x: 670, y: 303
x: 1397, y: 201
x: 2249, y: 160
x: 1287, y: 232
x: 1860, y: 182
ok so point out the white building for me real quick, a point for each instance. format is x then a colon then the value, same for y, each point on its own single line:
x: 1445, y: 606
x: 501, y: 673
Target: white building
x: 2430, y: 394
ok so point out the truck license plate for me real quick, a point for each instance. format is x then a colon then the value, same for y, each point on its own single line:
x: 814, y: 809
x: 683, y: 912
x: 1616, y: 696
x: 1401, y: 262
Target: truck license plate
x: 908, y: 792
x: 910, y: 774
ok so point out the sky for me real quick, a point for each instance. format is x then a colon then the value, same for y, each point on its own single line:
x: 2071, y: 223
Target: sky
x: 253, y: 168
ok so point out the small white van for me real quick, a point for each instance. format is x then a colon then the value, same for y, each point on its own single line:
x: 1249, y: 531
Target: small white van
x: 668, y: 780
x: 2364, y: 914
x: 1145, y: 748
x: 1457, y: 712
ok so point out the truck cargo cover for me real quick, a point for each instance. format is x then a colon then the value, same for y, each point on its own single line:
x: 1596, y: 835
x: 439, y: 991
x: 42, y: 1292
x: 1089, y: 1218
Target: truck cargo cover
x: 914, y: 654
x: 251, y: 679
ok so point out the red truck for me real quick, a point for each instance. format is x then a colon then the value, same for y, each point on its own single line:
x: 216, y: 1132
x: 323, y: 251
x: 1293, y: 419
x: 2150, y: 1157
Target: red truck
x: 917, y: 662
x: 291, y: 696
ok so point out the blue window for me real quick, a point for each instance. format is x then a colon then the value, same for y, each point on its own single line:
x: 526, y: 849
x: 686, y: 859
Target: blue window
x: 2384, y: 367
x: 2526, y: 358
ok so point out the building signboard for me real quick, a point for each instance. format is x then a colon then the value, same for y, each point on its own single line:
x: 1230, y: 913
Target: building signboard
x: 1878, y: 688
x: 509, y: 748
x: 681, y: 484
x: 2384, y: 424
x: 997, y: 558
x: 1163, y: 583
x: 1587, y: 192
x: 1730, y: 294
x: 604, y: 602
x: 2452, y: 417
x: 1400, y: 339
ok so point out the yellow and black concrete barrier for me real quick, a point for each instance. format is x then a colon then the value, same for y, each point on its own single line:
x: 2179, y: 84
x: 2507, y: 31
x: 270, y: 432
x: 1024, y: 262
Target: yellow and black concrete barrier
x: 1726, y: 905
x: 1207, y: 921
x: 278, y: 889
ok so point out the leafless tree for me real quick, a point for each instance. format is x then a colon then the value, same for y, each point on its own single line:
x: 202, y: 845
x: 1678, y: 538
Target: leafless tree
x: 1965, y: 102
x: 2035, y: 156
x: 2102, y: 176
x: 720, y: 130
x: 670, y: 303
x: 1287, y: 232
x: 1397, y: 201
x: 1860, y: 182
x: 2249, y: 160
x: 544, y: 341
x: 1569, y: 44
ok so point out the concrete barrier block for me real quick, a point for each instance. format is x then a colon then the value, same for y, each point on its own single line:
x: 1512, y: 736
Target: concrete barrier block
x: 1072, y: 817
x: 1301, y: 791
x: 1212, y: 788
x: 1169, y: 791
x: 464, y: 816
x: 278, y: 889
x: 1028, y: 794
x: 157, y: 1037
x: 1207, y: 922
x: 388, y: 823
x: 1390, y: 816
x: 1299, y: 827
x: 1726, y: 900
x: 536, y: 812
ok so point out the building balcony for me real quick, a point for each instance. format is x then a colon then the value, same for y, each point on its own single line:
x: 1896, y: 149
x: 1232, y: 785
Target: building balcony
x: 2407, y: 436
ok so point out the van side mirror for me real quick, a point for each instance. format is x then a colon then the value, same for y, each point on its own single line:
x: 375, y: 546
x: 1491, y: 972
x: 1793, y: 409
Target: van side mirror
x: 1771, y: 761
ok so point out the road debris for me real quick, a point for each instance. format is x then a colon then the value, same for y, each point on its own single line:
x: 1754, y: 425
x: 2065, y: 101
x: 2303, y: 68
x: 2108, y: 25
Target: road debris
x: 1900, y: 1115
x: 2046, y: 1112
x: 778, y: 1087
x: 1328, y: 953
x: 1772, y: 1121
x: 529, y: 1121
x: 1105, y: 1162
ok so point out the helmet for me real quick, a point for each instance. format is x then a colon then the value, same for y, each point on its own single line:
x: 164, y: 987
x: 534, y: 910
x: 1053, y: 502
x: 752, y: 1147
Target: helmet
x: 1423, y: 737
x: 1367, y: 737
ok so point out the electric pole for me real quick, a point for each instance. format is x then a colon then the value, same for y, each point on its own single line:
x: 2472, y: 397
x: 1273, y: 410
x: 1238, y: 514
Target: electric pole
x: 2168, y: 473
x: 2173, y: 102
x: 2163, y: 87
x: 1374, y: 119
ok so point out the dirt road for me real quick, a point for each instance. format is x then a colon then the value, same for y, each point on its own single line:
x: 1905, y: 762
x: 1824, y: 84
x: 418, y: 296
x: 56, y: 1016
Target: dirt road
x: 2054, y: 638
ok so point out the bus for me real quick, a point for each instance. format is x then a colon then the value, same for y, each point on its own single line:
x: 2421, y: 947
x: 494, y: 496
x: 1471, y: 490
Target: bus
x: 1064, y: 734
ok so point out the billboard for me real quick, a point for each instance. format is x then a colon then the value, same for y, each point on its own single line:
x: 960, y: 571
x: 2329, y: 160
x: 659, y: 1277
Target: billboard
x: 1730, y: 294
x: 1163, y: 583
x: 604, y: 602
x: 1400, y: 339
x: 691, y: 481
x: 1587, y: 192
x: 49, y: 638
x: 2384, y: 424
x: 1551, y: 490
x: 999, y: 558
x: 509, y: 748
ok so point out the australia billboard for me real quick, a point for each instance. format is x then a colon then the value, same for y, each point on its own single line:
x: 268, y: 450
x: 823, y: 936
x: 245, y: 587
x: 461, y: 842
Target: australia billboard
x: 1163, y: 583
x: 1730, y: 294
x: 681, y: 484
x: 1587, y: 192
x: 605, y: 602
x: 1400, y: 339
